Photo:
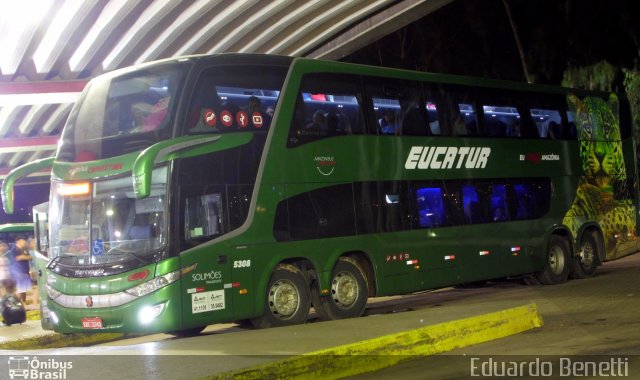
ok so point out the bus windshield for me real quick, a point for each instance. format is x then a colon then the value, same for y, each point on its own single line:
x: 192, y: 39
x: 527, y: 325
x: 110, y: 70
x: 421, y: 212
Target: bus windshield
x: 103, y: 223
x: 122, y: 114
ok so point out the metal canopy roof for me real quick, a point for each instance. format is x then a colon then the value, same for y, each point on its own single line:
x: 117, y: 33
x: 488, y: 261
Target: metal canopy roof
x: 51, y: 48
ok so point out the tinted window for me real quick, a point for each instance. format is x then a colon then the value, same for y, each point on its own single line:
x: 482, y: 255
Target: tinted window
x: 500, y: 200
x: 432, y: 118
x: 437, y: 204
x: 548, y: 122
x: 381, y: 207
x: 397, y: 107
x: 232, y: 99
x: 500, y: 121
x: 321, y: 213
x: 327, y: 105
x: 215, y: 190
x: 122, y: 114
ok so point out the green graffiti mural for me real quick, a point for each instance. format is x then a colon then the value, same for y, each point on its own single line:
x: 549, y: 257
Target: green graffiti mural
x: 602, y: 194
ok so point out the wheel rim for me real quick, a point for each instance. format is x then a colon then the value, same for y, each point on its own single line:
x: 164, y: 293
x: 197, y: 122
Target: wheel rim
x: 587, y: 255
x: 344, y: 289
x: 284, y: 299
x: 556, y: 260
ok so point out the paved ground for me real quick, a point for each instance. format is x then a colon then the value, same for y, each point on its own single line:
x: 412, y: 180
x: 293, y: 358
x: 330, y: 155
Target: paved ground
x: 597, y: 316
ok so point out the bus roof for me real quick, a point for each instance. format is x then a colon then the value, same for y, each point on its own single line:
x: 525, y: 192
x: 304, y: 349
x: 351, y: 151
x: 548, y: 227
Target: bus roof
x: 336, y: 66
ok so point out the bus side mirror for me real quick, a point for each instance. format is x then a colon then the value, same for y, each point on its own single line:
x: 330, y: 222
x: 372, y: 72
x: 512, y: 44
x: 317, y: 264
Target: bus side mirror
x: 158, y: 152
x: 18, y: 173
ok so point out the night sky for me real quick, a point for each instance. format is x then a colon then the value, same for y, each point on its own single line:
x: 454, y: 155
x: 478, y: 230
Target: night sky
x: 26, y: 196
x: 474, y: 37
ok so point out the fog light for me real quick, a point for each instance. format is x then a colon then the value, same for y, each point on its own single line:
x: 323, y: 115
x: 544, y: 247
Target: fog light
x: 147, y: 314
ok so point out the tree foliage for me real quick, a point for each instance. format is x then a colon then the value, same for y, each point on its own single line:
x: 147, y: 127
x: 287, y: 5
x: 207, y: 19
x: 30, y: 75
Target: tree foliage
x: 600, y: 76
x: 632, y: 87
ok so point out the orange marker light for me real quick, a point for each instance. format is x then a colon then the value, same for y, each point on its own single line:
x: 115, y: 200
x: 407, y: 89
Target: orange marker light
x: 71, y: 189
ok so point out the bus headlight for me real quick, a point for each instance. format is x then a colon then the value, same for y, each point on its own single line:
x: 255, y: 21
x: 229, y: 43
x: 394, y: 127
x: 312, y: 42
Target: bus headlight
x: 147, y: 314
x: 154, y: 284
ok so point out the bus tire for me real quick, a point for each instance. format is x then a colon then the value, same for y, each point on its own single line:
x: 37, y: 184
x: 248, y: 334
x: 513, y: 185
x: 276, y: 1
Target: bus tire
x: 349, y: 292
x: 557, y: 262
x: 586, y: 261
x: 287, y: 300
x: 188, y: 332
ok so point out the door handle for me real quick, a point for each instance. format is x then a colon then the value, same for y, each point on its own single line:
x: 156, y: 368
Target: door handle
x: 222, y: 259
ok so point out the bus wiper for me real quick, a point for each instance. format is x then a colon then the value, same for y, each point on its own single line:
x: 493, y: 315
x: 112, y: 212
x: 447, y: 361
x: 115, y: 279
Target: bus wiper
x: 126, y: 251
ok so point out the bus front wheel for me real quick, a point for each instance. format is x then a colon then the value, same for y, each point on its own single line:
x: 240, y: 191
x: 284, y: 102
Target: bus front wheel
x: 348, y: 295
x: 586, y: 261
x: 557, y: 263
x: 287, y: 301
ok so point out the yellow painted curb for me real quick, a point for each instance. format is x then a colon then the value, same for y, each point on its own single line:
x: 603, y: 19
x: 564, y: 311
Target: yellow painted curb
x: 385, y: 351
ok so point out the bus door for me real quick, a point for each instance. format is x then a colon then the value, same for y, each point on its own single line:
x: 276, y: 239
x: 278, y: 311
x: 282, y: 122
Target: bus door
x: 206, y: 288
x: 41, y: 259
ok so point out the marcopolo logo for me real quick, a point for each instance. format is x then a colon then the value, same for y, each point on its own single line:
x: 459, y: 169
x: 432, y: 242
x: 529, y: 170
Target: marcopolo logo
x: 447, y: 157
x: 24, y: 367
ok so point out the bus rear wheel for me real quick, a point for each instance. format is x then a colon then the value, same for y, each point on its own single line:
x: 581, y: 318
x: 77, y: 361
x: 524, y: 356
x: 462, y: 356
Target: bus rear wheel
x: 586, y: 261
x: 287, y: 301
x: 348, y: 295
x: 557, y: 263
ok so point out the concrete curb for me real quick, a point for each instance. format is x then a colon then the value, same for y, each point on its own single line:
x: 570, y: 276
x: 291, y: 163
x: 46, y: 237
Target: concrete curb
x: 385, y: 351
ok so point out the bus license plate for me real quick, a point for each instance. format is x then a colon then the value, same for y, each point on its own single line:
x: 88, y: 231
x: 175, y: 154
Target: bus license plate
x: 92, y: 323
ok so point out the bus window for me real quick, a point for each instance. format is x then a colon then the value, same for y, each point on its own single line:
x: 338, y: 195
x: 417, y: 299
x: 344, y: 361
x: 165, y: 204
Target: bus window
x: 431, y: 212
x: 530, y: 199
x: 234, y: 99
x: 547, y: 121
x: 203, y: 216
x: 388, y: 115
x: 485, y: 202
x: 565, y: 131
x: 396, y: 108
x: 125, y: 114
x: 500, y: 121
x: 328, y: 105
x: 473, y: 208
x: 432, y: 119
x: 321, y: 213
x: 455, y: 106
x: 465, y: 123
x: 499, y: 210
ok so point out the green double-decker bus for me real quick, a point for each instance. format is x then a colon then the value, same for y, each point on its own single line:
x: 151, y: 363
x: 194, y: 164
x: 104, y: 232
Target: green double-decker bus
x: 208, y: 189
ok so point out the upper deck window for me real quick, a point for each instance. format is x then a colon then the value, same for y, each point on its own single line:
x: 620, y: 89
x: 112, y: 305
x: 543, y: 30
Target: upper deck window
x: 328, y: 105
x: 121, y: 114
x: 501, y: 121
x: 234, y: 99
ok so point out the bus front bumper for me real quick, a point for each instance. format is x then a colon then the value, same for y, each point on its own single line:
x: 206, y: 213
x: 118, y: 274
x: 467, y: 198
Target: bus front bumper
x: 159, y: 311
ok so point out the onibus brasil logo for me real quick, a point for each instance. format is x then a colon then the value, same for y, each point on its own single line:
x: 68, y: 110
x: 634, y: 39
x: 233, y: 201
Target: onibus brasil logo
x: 24, y: 367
